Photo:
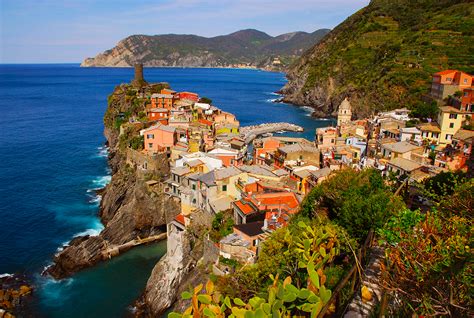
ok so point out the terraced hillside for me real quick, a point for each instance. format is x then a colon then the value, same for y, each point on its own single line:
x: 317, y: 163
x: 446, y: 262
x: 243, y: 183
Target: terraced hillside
x: 383, y: 56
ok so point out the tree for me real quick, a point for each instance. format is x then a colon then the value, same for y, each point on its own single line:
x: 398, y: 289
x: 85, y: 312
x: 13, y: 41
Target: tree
x: 205, y: 100
x: 424, y: 110
x: 357, y: 201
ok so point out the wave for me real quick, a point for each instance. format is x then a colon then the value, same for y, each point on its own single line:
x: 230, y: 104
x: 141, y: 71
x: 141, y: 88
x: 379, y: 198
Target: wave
x: 103, y: 152
x: 6, y: 275
x: 271, y: 100
x: 90, y: 232
x: 274, y: 94
x: 100, y: 182
x: 95, y: 199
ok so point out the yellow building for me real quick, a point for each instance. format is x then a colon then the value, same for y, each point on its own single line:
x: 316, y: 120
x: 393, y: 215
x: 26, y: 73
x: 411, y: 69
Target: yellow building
x: 450, y: 121
x: 344, y: 113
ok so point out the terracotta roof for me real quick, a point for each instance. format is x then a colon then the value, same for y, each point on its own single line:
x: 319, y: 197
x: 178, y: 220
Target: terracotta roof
x: 445, y: 72
x: 179, y: 218
x: 245, y: 207
x: 206, y: 122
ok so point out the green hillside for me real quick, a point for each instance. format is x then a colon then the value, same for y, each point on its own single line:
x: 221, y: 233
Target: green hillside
x: 383, y: 56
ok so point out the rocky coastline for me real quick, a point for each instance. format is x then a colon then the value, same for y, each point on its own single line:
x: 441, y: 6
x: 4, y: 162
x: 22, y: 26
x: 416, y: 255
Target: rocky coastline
x: 130, y: 210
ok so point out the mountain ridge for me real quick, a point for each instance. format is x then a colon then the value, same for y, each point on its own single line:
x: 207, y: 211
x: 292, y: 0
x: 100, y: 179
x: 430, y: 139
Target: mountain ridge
x: 382, y: 57
x: 243, y: 48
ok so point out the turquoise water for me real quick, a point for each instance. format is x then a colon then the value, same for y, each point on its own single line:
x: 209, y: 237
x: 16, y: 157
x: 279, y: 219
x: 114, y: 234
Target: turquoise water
x: 52, y: 158
x: 89, y: 293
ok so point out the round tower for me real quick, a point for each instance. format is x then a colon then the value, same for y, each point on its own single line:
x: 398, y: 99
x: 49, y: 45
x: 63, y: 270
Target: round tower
x: 344, y: 113
x: 139, y: 80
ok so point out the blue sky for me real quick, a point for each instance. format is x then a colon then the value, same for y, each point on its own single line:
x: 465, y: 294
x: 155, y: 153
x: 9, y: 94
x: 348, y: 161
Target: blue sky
x: 49, y: 31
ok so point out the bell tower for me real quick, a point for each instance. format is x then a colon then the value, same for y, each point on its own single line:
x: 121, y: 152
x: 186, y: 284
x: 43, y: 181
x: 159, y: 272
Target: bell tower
x: 344, y: 114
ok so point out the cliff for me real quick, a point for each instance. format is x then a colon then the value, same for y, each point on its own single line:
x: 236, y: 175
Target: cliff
x: 242, y: 48
x: 382, y: 57
x: 130, y: 209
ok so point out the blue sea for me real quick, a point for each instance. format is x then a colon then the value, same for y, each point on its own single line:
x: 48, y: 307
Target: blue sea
x: 52, y: 158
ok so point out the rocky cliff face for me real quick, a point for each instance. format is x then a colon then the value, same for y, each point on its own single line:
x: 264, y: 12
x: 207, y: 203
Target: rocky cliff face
x: 382, y: 56
x: 129, y: 208
x: 242, y: 48
x: 183, y: 266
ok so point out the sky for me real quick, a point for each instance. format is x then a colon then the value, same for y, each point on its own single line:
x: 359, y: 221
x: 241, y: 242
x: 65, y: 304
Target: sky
x: 67, y: 31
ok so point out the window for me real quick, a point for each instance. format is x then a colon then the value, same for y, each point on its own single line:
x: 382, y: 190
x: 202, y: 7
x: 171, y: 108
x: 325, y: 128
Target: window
x: 451, y: 125
x: 453, y: 116
x: 465, y: 81
x: 150, y: 145
x: 150, y: 136
x: 435, y: 135
x: 224, y: 187
x: 193, y: 187
x: 449, y: 137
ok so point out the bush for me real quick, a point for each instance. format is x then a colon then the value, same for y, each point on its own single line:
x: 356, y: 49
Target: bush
x: 136, y: 142
x: 358, y: 201
x: 205, y: 100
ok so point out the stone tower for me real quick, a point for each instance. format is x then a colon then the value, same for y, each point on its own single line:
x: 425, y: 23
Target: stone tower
x: 139, y: 80
x: 344, y: 113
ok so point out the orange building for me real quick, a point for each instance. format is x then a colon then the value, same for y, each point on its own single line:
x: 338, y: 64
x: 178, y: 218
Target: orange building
x: 158, y: 114
x: 268, y: 145
x: 162, y: 101
x: 448, y: 82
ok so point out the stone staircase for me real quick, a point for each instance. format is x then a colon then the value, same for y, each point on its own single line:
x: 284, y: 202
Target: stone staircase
x: 359, y: 307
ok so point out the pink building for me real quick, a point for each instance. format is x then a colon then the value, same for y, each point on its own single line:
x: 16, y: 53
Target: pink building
x: 326, y: 137
x: 159, y: 138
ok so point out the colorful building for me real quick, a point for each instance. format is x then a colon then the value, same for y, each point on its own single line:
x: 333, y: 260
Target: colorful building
x: 450, y: 120
x: 158, y: 114
x: 448, y: 82
x: 159, y: 138
x: 326, y: 137
x: 262, y: 206
x: 189, y: 96
x: 162, y: 101
x: 263, y: 149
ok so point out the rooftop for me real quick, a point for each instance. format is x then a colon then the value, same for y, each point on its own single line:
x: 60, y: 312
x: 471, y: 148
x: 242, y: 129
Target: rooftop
x: 250, y: 229
x: 258, y: 170
x: 161, y: 96
x: 160, y: 127
x: 226, y: 173
x: 450, y: 109
x: 298, y: 148
x: 401, y: 147
x: 464, y: 134
x: 431, y: 127
x: 404, y: 164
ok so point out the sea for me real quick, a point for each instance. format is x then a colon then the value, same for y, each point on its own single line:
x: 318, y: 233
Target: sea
x: 53, y: 158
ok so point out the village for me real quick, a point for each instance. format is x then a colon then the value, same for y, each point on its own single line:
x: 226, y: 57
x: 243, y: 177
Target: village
x: 256, y: 184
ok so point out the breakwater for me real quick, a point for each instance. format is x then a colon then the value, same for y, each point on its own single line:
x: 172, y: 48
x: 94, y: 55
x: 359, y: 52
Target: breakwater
x: 249, y: 133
